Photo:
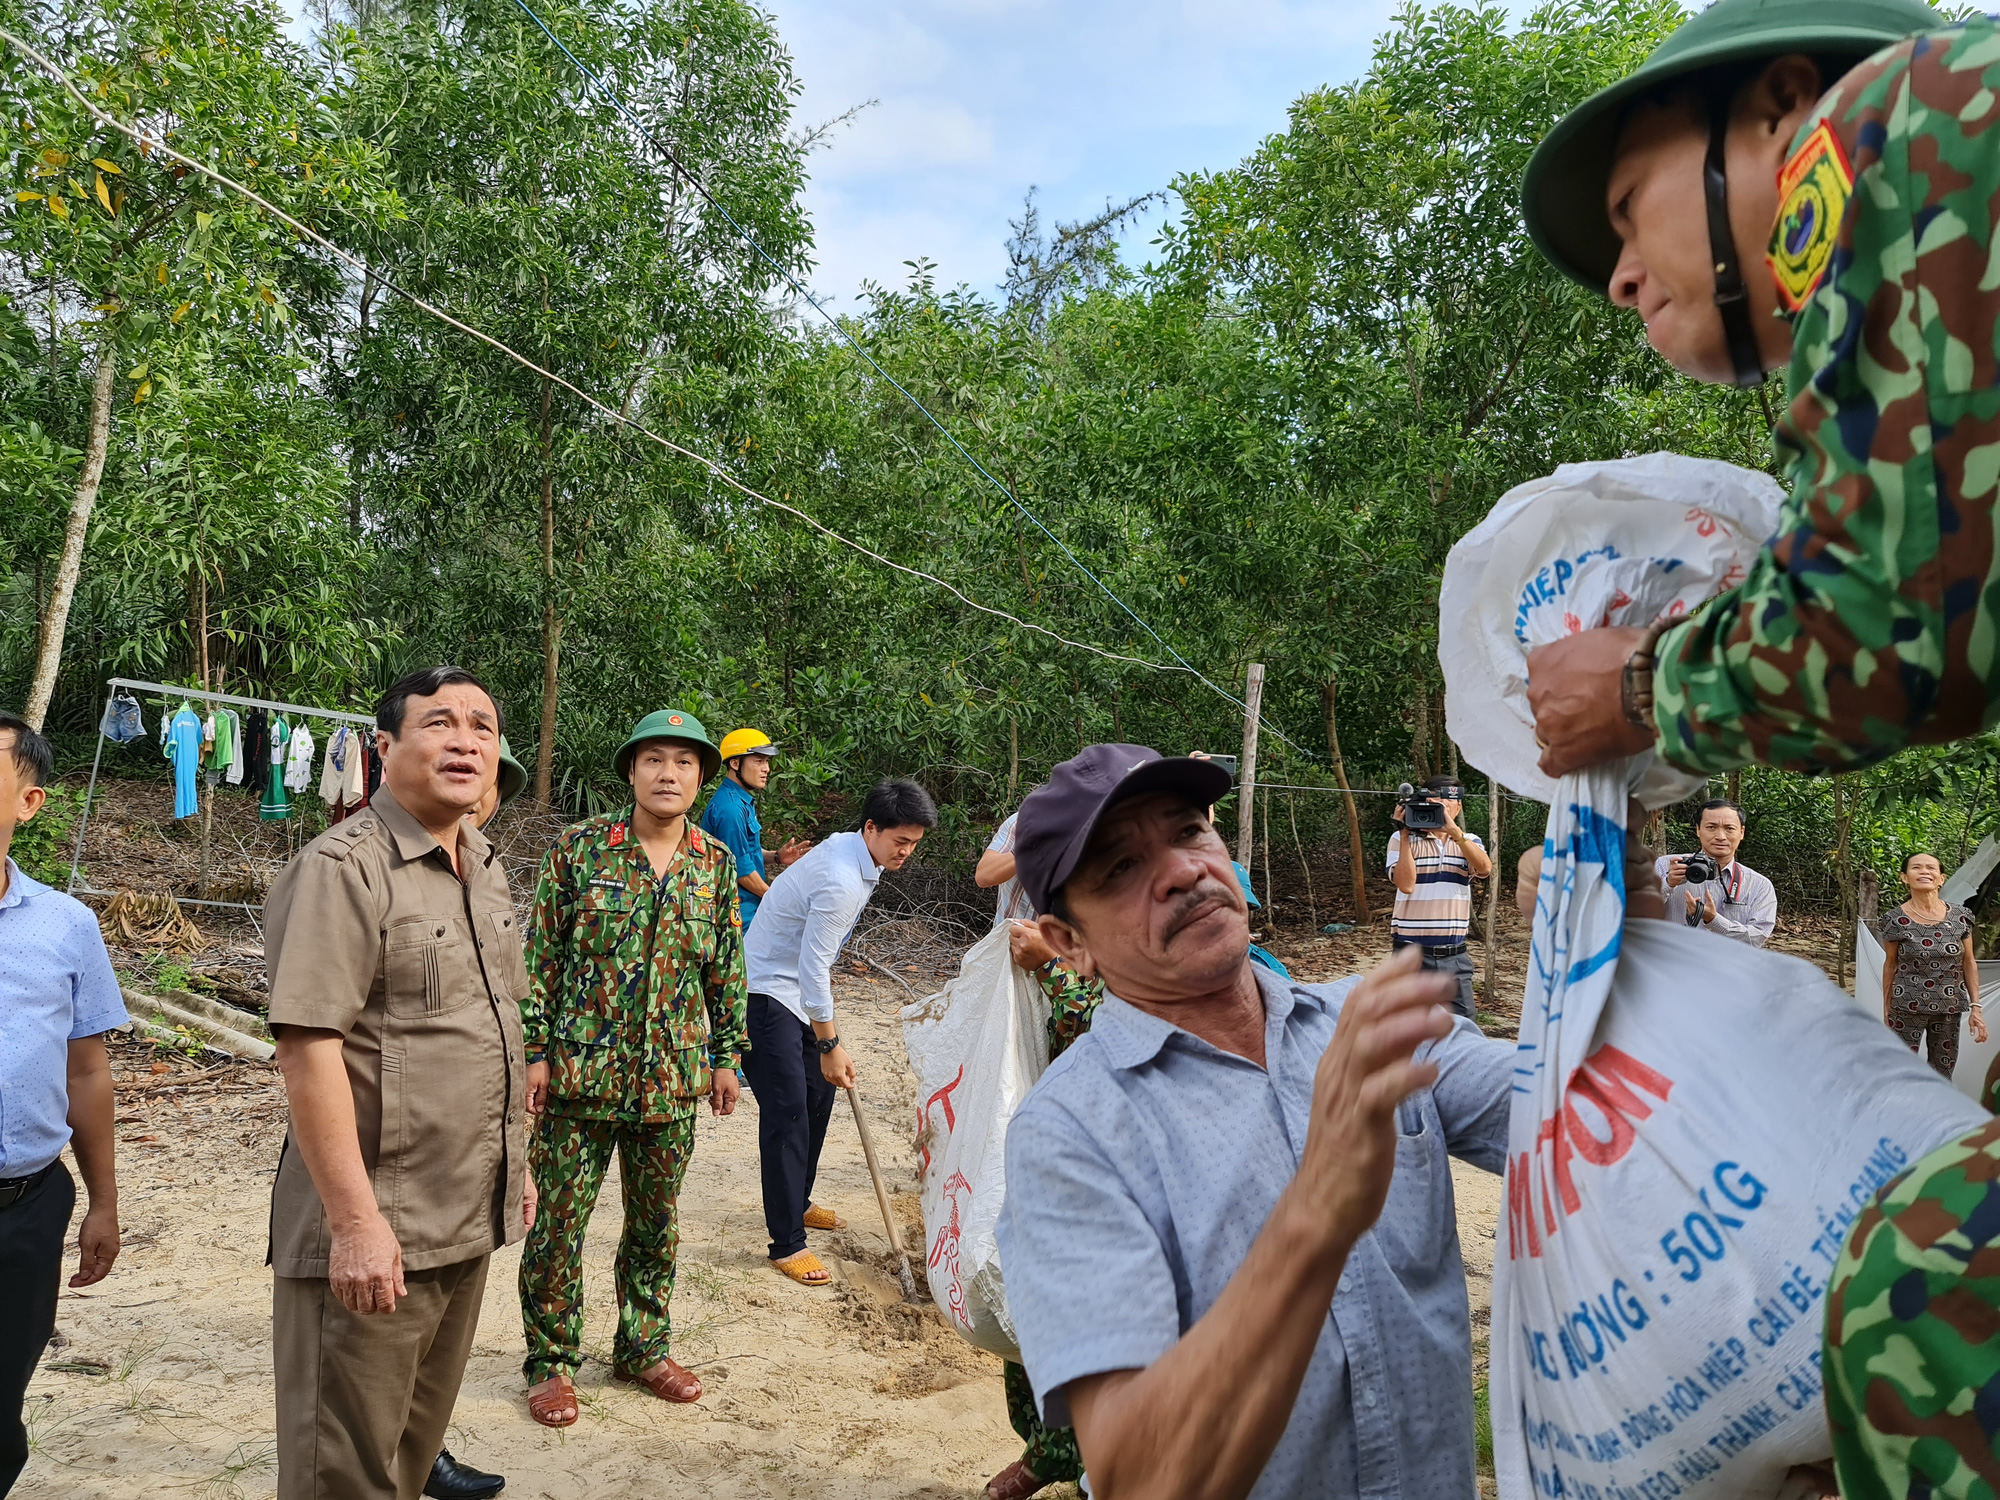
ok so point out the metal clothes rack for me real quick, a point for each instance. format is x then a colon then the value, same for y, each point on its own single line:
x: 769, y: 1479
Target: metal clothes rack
x: 171, y: 690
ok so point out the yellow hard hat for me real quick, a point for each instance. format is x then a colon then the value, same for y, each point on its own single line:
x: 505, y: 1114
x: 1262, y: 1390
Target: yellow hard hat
x: 747, y: 742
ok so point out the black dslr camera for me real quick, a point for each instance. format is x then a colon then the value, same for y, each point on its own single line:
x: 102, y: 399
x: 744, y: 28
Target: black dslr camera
x: 1422, y: 810
x: 1699, y: 869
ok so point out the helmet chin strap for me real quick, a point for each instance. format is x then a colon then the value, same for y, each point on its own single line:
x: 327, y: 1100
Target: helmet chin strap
x: 1732, y: 299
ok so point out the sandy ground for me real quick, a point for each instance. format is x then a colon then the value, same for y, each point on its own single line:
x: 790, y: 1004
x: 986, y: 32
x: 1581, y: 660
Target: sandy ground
x: 160, y: 1382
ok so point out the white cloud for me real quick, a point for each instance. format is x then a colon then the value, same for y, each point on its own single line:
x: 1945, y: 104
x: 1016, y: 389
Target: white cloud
x: 1089, y: 100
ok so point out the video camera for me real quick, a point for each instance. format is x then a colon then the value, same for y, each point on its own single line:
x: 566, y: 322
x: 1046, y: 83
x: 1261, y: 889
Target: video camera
x: 1424, y: 810
x: 1699, y: 869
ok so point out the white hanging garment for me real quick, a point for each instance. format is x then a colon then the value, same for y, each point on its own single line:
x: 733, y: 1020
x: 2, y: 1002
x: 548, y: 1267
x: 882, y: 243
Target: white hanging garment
x: 299, y: 760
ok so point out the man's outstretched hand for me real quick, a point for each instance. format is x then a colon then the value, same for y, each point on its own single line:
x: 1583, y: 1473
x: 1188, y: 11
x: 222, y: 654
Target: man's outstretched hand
x: 1575, y: 692
x: 1370, y: 1068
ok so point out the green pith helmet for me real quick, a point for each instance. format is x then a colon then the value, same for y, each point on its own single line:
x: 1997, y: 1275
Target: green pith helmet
x: 1562, y: 197
x: 513, y: 775
x: 669, y: 724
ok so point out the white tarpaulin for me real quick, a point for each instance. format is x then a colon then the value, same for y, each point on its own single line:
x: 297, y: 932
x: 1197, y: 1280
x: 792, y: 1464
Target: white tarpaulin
x: 1695, y: 1122
x: 977, y: 1047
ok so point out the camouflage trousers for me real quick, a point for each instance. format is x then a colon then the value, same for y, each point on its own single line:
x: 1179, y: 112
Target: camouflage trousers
x: 1912, y: 1356
x: 568, y: 1157
x: 1051, y: 1453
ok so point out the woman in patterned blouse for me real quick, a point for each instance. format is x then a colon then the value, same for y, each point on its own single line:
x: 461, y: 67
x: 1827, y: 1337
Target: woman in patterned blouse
x: 1930, y: 977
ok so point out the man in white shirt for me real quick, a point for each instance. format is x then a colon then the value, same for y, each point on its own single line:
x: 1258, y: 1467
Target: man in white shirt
x: 1738, y: 903
x: 795, y: 1061
x: 996, y: 868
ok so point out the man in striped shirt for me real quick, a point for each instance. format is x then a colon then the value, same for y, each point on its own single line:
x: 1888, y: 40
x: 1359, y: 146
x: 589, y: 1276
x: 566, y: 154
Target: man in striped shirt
x: 1434, y: 889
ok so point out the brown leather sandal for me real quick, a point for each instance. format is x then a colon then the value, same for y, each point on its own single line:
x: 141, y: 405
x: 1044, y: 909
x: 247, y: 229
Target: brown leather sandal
x: 1015, y: 1482
x: 806, y: 1269
x: 668, y: 1381
x: 823, y: 1218
x: 554, y: 1395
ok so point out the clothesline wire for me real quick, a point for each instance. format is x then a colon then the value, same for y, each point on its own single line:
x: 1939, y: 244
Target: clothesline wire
x: 694, y: 180
x: 148, y: 145
x: 170, y: 690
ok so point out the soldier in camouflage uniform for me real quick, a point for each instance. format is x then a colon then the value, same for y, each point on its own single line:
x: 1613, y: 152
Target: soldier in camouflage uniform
x: 635, y: 1013
x: 1869, y: 622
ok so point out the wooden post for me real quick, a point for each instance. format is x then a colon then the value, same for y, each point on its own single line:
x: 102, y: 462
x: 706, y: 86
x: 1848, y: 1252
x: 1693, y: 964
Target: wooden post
x: 1270, y: 895
x: 1493, y: 795
x: 1356, y: 858
x: 1843, y: 877
x: 1246, y: 768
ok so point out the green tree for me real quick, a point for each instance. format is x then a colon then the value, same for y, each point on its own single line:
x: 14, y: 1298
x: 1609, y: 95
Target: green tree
x: 542, y: 218
x: 132, y: 247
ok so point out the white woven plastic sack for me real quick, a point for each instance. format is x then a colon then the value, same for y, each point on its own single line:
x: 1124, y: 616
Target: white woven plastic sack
x: 977, y: 1047
x: 1695, y: 1122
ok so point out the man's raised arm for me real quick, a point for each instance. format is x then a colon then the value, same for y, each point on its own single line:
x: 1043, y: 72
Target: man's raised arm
x: 1203, y: 1414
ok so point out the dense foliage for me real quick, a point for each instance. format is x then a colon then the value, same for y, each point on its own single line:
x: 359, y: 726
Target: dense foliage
x: 1257, y: 447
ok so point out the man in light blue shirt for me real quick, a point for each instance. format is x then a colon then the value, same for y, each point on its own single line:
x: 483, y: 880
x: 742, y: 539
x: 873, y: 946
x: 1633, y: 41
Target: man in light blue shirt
x: 1229, y: 1241
x: 795, y: 1061
x: 58, y: 995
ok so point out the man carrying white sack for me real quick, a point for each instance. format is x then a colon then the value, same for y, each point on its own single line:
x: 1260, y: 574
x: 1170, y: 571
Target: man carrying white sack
x: 1866, y: 263
x: 1229, y: 1241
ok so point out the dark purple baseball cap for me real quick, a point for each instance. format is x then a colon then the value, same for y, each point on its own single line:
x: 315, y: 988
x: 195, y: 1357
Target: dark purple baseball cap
x: 1056, y: 821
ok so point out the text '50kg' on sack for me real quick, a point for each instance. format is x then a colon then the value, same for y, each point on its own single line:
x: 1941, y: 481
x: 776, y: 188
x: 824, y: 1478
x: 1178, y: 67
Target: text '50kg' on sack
x: 977, y: 1047
x: 1695, y: 1123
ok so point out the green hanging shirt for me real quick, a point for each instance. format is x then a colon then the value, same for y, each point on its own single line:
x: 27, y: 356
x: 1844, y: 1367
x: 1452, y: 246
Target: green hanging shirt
x: 1872, y: 619
x: 277, y: 801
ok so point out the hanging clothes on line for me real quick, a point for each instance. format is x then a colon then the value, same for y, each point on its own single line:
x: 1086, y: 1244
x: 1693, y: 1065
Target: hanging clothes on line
x: 257, y: 749
x: 299, y: 760
x: 123, y: 720
x: 341, y: 781
x: 232, y: 765
x: 184, y: 750
x: 277, y: 803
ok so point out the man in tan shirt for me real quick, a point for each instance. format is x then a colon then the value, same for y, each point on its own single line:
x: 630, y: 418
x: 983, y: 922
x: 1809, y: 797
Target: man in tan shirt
x: 396, y: 981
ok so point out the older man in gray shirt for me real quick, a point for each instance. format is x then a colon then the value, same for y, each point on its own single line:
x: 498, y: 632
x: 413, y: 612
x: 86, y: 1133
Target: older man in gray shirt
x: 1229, y: 1241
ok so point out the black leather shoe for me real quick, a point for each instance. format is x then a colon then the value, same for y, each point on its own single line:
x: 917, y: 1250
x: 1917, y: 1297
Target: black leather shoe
x: 452, y: 1480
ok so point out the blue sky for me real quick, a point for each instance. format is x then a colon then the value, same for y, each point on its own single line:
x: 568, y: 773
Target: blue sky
x: 1088, y: 100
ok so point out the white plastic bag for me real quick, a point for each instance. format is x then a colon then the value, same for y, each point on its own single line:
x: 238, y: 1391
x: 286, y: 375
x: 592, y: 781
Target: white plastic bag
x: 977, y: 1047
x: 1695, y: 1122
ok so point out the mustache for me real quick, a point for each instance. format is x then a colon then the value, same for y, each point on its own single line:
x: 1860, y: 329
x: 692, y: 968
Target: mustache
x: 1206, y: 892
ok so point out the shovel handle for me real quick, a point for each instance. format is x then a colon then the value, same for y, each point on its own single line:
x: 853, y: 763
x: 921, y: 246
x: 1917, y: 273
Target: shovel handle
x: 881, y: 1192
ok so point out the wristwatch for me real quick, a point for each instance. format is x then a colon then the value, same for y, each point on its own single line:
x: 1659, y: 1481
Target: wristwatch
x: 1635, y: 685
x: 826, y: 1044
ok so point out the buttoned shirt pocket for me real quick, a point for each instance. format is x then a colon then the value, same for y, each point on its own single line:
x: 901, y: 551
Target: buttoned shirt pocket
x: 604, y: 913
x: 424, y: 964
x: 581, y: 1062
x: 698, y: 906
x: 500, y: 946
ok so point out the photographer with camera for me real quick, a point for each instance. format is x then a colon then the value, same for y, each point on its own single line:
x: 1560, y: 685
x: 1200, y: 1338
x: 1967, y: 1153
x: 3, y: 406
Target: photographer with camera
x: 1718, y: 891
x: 1434, y: 885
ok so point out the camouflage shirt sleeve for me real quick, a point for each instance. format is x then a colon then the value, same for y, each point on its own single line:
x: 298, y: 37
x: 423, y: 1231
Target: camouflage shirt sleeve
x: 723, y: 980
x: 1073, y: 1002
x: 1868, y: 622
x: 548, y: 942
